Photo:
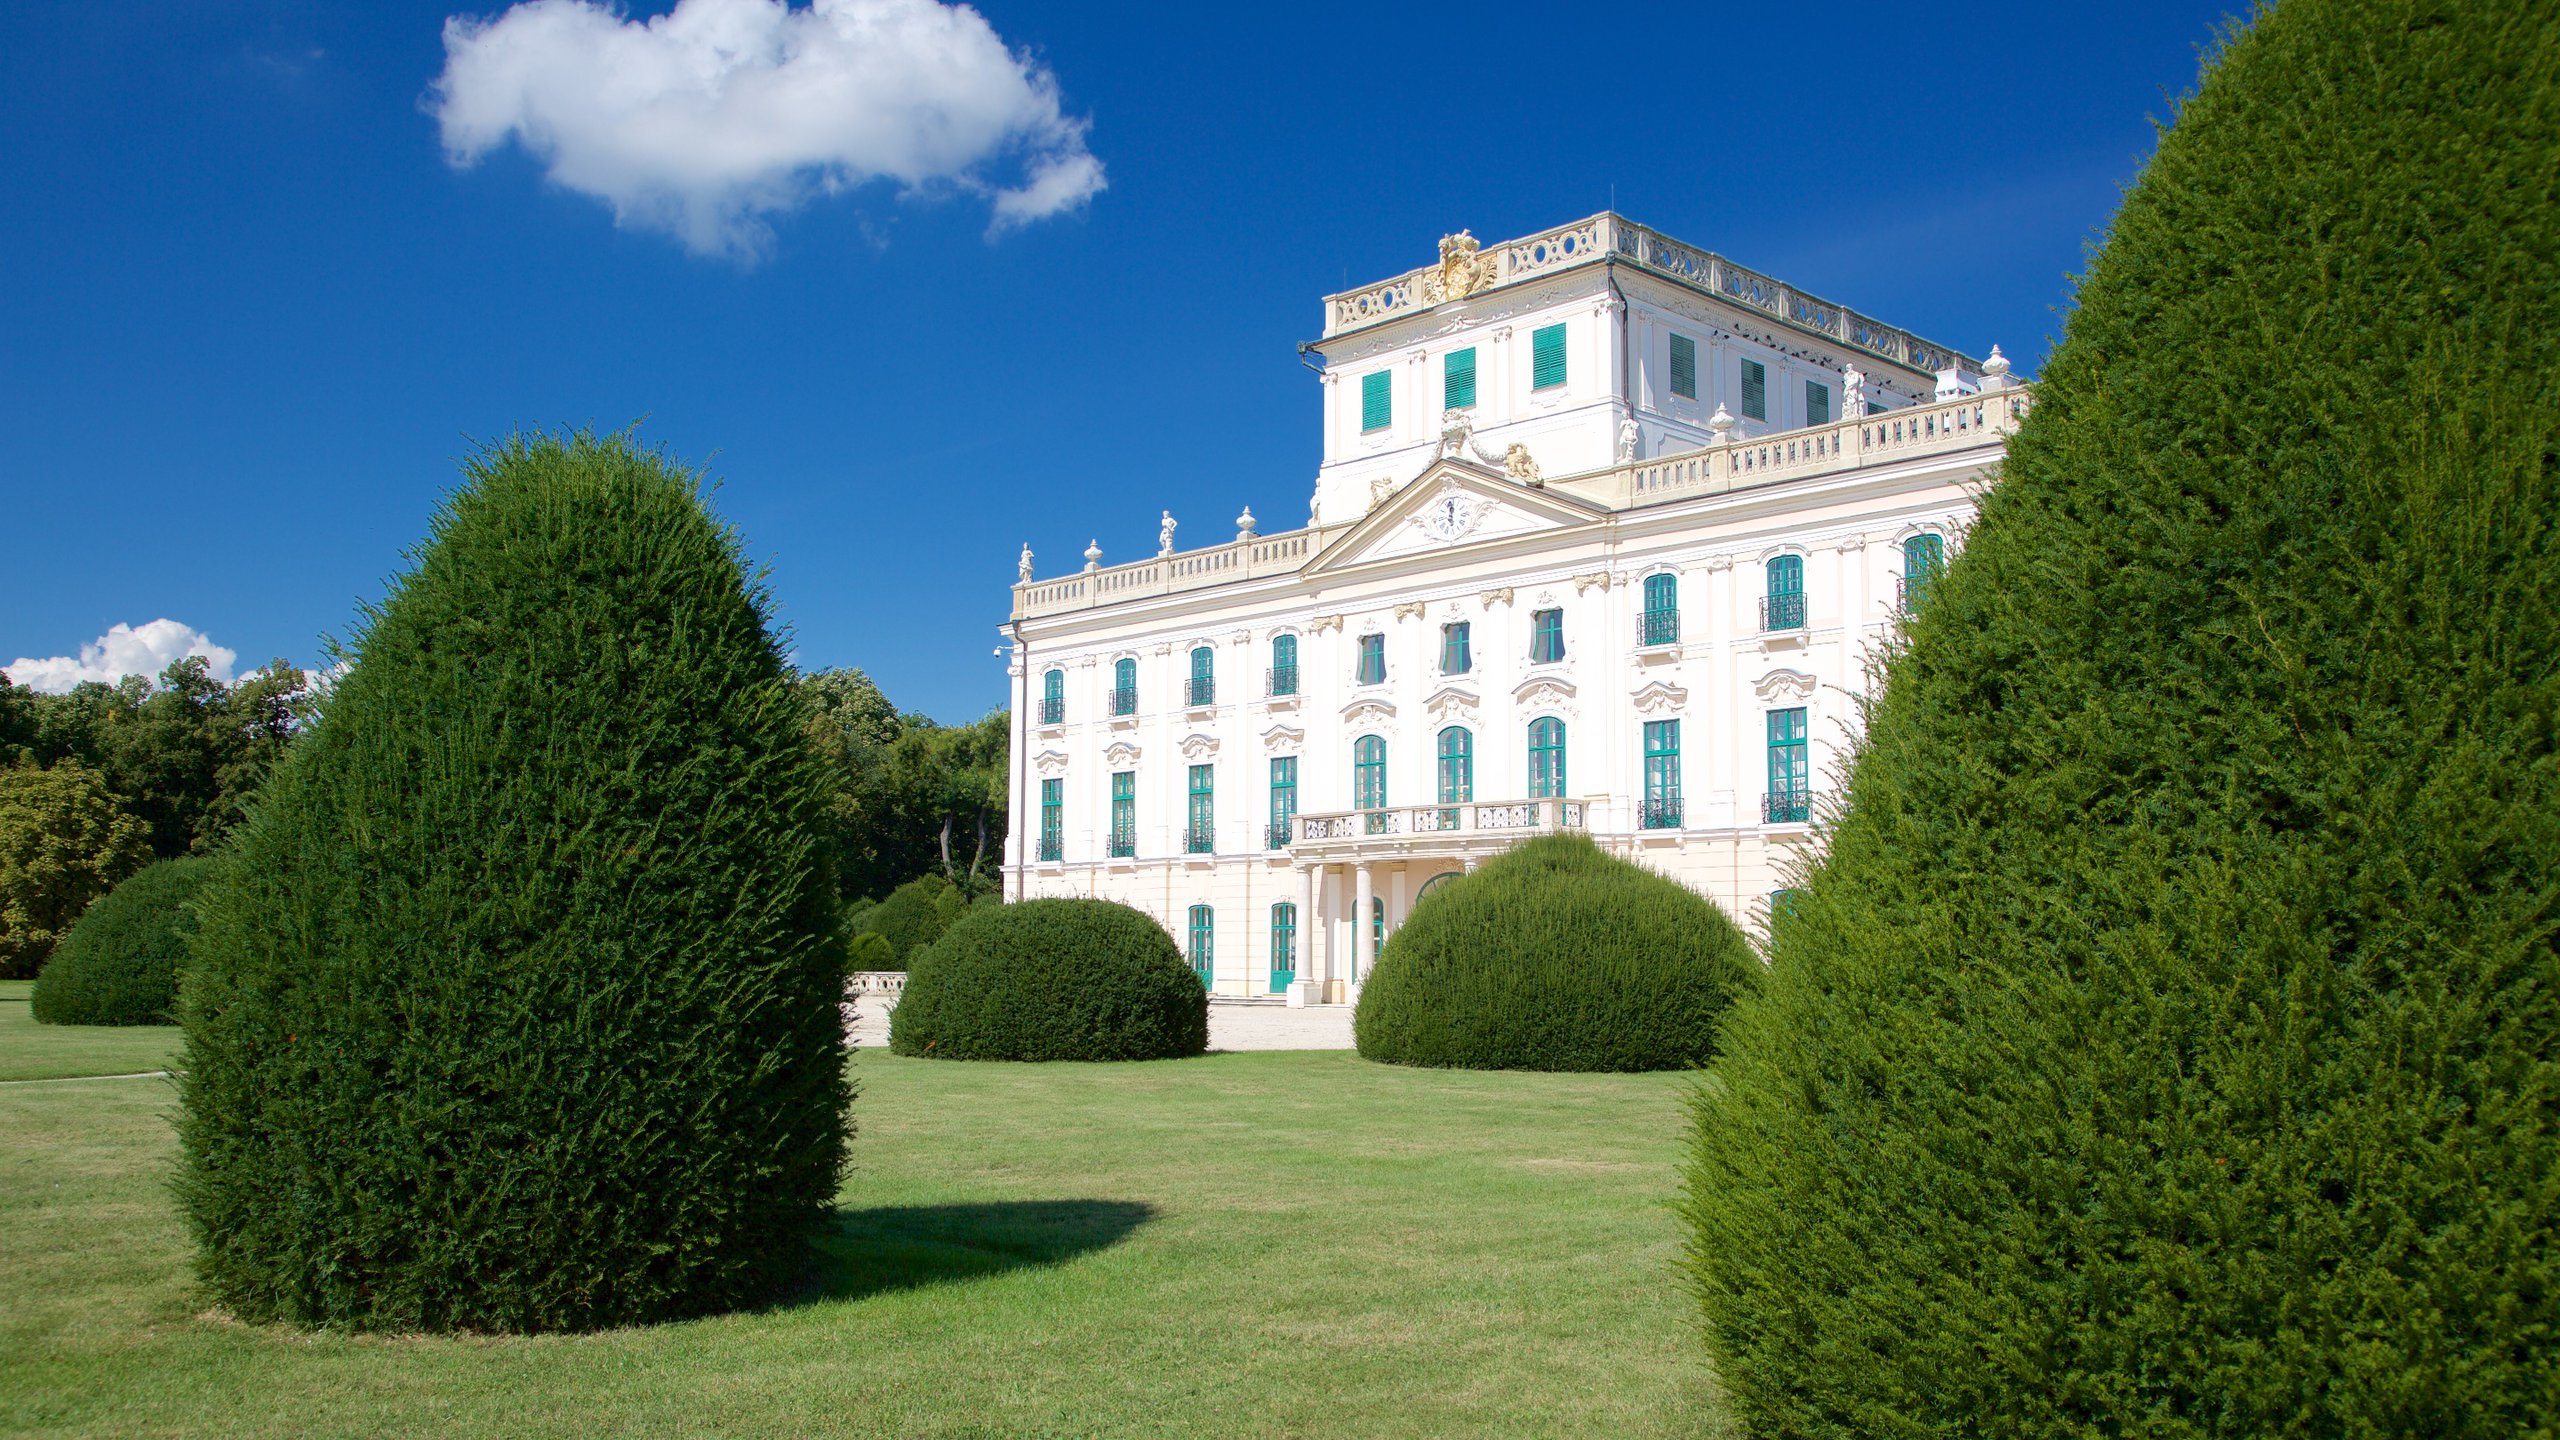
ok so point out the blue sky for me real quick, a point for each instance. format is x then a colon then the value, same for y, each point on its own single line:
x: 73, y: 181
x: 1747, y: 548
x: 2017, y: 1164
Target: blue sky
x: 252, y: 310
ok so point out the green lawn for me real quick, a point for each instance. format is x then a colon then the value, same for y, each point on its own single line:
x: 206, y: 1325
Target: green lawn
x: 29, y: 1051
x: 1264, y: 1244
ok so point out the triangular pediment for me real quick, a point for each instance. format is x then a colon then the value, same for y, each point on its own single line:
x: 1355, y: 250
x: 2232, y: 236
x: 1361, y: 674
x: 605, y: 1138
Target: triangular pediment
x: 1449, y: 506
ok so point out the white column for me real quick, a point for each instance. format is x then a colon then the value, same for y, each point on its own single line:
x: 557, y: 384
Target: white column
x: 1363, y: 953
x: 1395, y: 899
x: 1304, y: 962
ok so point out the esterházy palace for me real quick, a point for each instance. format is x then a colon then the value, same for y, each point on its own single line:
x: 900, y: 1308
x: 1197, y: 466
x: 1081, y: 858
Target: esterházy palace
x: 1606, y: 530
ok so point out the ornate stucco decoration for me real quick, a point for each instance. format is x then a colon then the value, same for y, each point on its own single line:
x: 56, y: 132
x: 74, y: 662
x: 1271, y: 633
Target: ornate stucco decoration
x: 1597, y: 578
x: 1368, y: 712
x: 1717, y: 564
x: 1547, y: 692
x: 1660, y: 700
x: 1490, y: 597
x: 1199, y: 748
x: 1283, y: 739
x: 1121, y: 753
x: 1050, y: 762
x: 1380, y: 489
x: 1411, y: 610
x: 1322, y: 623
x: 1462, y: 270
x: 1780, y: 685
x: 1451, y: 704
x: 1458, y: 438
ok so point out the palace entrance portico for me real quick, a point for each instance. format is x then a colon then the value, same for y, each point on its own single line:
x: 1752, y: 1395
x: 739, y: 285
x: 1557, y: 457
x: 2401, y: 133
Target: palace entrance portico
x: 1359, y: 872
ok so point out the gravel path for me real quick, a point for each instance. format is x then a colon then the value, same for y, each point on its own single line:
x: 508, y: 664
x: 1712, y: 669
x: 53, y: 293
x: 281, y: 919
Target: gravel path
x: 1231, y: 1027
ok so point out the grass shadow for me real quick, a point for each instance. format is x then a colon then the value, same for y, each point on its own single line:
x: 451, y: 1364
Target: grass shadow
x: 901, y: 1247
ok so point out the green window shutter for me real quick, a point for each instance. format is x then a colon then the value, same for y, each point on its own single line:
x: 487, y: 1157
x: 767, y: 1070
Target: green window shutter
x: 1661, y: 775
x: 1284, y: 799
x: 1369, y: 773
x: 1455, y: 656
x: 1203, y: 948
x: 1377, y: 401
x: 1817, y: 403
x: 1124, y: 812
x: 1546, y: 357
x: 1284, y: 945
x: 1684, y: 367
x: 1755, y: 390
x: 1790, y: 768
x: 1458, y: 379
x: 1373, y: 660
x: 1200, y: 829
x: 1786, y: 574
x: 1546, y: 636
x: 1457, y: 765
x: 1053, y: 804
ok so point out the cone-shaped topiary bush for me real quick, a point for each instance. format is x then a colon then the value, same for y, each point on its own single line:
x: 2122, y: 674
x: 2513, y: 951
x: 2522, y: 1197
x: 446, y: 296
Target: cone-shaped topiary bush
x: 119, y: 964
x: 1051, y: 980
x: 1555, y: 956
x: 2167, y: 1045
x: 514, y: 1007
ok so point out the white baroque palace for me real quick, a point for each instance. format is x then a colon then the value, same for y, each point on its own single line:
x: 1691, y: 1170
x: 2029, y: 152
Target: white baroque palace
x: 1606, y: 531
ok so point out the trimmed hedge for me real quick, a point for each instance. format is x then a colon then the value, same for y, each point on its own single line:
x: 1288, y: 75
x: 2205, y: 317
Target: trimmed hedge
x: 914, y: 916
x: 515, y: 1005
x: 119, y: 964
x: 2167, y: 1045
x: 1555, y: 956
x: 1051, y: 980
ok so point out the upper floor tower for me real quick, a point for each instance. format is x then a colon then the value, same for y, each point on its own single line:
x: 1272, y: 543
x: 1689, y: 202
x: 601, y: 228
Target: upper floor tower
x: 1588, y: 345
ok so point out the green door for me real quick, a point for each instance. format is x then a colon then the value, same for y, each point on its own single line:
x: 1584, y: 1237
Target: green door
x: 1203, y: 951
x: 1284, y: 945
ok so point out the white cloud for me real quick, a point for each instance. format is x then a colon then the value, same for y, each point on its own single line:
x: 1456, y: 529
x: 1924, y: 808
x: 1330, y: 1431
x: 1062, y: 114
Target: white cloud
x: 125, y: 650
x: 707, y: 120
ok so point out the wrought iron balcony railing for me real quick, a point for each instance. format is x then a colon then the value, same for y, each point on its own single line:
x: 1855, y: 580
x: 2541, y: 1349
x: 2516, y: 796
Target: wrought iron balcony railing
x: 1052, y: 847
x: 1199, y: 842
x: 1280, y: 680
x: 1276, y: 835
x: 1202, y: 690
x: 1782, y: 612
x: 1124, y: 844
x: 1660, y: 812
x: 1053, y: 709
x: 1786, y: 807
x: 1657, y: 627
x: 1124, y: 700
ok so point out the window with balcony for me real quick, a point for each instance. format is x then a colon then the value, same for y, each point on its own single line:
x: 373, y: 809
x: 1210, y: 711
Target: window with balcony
x: 1659, y: 624
x: 1783, y: 607
x: 1200, y: 824
x: 1124, y: 687
x: 1053, y: 822
x: 1661, y: 807
x: 1458, y: 379
x: 1790, y: 798
x: 1202, y: 952
x: 1455, y: 658
x: 1284, y: 802
x: 1204, y: 677
x: 1283, y: 679
x: 1053, y: 697
x: 1284, y: 945
x: 1546, y: 758
x: 1923, y: 557
x: 1377, y: 401
x: 1372, y: 666
x: 1124, y: 813
x: 1684, y: 367
x: 1755, y: 390
x: 1457, y: 772
x: 1546, y: 636
x: 1369, y: 780
x: 1546, y: 357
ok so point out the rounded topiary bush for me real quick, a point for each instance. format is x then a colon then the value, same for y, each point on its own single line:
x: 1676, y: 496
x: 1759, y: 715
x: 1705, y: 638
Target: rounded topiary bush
x: 1051, y: 980
x: 1555, y: 956
x: 515, y: 1004
x: 2167, y: 1045
x: 913, y: 916
x: 119, y: 964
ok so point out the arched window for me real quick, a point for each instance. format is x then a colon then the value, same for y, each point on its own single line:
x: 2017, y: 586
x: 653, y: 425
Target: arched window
x: 1283, y: 679
x: 1204, y: 676
x: 1053, y: 697
x: 1202, y: 951
x: 1546, y: 758
x: 1660, y: 622
x: 1378, y: 923
x: 1457, y: 772
x: 1284, y: 945
x: 1124, y: 686
x: 1923, y: 556
x: 1783, y: 607
x: 1369, y: 780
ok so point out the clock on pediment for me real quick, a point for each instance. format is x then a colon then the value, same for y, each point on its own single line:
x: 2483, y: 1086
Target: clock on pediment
x: 1450, y: 514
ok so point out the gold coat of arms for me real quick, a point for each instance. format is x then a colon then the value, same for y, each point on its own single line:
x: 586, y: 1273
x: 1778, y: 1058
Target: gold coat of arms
x: 1462, y: 272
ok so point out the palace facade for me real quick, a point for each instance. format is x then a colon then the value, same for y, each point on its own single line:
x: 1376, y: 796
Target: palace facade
x: 1606, y: 532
